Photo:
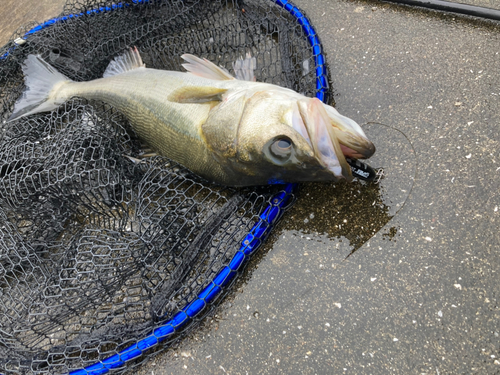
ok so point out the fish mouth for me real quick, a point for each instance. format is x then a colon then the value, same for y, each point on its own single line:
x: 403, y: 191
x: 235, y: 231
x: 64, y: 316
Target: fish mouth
x: 332, y: 136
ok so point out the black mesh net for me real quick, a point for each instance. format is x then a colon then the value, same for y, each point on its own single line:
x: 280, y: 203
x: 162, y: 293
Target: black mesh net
x: 96, y: 251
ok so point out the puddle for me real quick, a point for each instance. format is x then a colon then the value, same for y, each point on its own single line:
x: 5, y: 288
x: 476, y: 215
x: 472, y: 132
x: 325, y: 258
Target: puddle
x: 351, y: 213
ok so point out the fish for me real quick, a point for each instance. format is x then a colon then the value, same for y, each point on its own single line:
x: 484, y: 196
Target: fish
x: 228, y: 131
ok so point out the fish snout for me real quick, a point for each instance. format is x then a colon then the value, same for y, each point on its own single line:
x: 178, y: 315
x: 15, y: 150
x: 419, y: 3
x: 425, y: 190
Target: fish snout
x: 351, y: 137
x: 358, y: 147
x: 334, y: 137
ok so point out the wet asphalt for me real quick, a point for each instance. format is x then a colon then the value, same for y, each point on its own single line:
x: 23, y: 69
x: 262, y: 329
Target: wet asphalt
x: 399, y: 277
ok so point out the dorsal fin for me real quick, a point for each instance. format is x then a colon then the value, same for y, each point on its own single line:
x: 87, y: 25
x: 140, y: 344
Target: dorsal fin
x: 204, y: 68
x: 244, y: 68
x: 126, y: 62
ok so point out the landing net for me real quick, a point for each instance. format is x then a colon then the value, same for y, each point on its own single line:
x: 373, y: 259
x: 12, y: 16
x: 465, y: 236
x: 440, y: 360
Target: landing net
x: 104, y: 261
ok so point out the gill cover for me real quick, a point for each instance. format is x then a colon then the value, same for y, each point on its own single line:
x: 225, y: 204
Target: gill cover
x: 221, y: 128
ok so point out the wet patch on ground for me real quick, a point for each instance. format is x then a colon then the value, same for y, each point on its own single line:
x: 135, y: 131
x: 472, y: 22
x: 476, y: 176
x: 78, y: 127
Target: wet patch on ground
x: 356, y: 211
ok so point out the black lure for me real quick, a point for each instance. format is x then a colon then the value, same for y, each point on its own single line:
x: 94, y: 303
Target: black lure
x: 361, y: 170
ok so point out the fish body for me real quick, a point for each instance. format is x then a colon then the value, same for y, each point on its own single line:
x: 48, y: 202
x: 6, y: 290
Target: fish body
x: 229, y: 131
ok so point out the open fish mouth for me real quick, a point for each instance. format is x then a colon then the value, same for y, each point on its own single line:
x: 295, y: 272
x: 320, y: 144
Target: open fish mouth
x: 332, y: 136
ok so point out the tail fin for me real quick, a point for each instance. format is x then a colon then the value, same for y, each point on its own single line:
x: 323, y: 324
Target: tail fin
x: 39, y: 79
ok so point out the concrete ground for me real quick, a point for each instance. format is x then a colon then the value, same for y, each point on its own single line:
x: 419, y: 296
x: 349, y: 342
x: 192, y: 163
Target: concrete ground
x: 421, y: 296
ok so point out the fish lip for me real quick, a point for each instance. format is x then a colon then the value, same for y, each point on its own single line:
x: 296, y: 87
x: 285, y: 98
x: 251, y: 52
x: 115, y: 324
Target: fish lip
x: 364, y: 151
x: 322, y: 138
x: 346, y: 137
x: 350, y: 135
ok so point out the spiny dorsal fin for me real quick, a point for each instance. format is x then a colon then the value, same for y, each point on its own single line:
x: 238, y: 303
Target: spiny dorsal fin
x: 130, y: 60
x: 196, y: 94
x: 204, y: 68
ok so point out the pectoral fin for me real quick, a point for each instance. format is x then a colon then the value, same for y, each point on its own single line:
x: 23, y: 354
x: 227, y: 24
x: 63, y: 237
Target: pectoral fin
x: 196, y: 94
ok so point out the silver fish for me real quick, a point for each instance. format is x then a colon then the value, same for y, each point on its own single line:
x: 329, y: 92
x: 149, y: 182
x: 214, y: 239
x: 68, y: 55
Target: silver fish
x: 229, y: 131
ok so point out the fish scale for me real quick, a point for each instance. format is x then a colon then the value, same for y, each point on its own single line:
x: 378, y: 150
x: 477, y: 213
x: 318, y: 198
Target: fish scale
x: 167, y: 129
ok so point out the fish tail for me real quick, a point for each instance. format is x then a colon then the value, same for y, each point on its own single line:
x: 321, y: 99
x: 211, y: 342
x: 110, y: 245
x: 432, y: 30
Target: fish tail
x: 40, y: 79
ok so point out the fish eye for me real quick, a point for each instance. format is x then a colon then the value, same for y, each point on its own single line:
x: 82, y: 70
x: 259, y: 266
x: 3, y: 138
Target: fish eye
x: 281, y: 148
x: 284, y: 144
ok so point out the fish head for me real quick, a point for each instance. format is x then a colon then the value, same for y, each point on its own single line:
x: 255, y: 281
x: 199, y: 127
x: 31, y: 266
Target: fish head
x: 281, y: 137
